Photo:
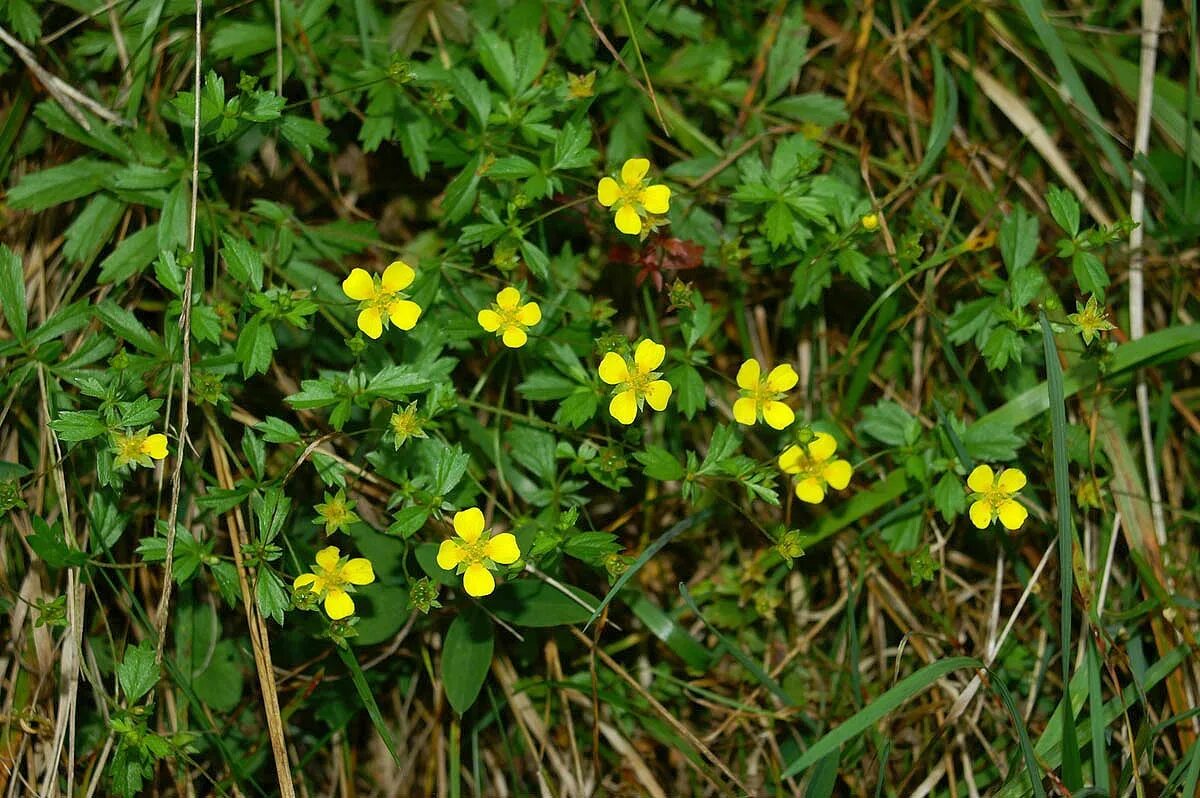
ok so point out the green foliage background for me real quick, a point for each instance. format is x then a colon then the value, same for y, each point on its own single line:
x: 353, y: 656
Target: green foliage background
x: 679, y: 623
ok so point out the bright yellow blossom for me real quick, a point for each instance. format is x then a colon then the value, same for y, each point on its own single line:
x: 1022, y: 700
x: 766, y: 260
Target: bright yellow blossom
x: 632, y: 199
x: 139, y: 447
x: 994, y: 497
x: 509, y: 319
x: 761, y: 396
x: 870, y: 222
x: 815, y: 468
x: 333, y: 578
x: 380, y: 298
x: 636, y: 381
x: 475, y: 552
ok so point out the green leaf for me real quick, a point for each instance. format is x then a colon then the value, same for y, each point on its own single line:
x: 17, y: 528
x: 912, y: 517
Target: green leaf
x: 1090, y: 273
x: 466, y: 657
x: 496, y: 56
x: 368, y: 699
x: 473, y: 94
x: 58, y: 184
x: 1065, y: 209
x: 12, y: 292
x: 889, y: 423
x: 533, y: 603
x: 243, y: 261
x: 131, y: 256
x: 78, y: 425
x: 127, y: 326
x: 137, y: 673
x: 398, y: 382
x: 945, y: 113
x: 276, y: 430
x: 449, y: 469
x: 1018, y: 239
x: 304, y: 134
x: 460, y: 193
x: 272, y: 595
x: 173, y: 223
x: 660, y: 464
x: 689, y: 387
x: 255, y: 346
x: 92, y: 229
x: 816, y: 108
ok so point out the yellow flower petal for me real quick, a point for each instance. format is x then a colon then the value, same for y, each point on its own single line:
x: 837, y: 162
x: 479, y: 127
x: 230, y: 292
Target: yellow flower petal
x: 810, y: 490
x: 613, y: 369
x: 790, y: 460
x: 1012, y: 515
x: 398, y: 276
x: 358, y: 571
x: 980, y: 480
x: 489, y: 320
x: 468, y: 524
x: 404, y: 313
x: 745, y: 411
x: 822, y: 446
x: 306, y: 580
x: 370, y: 322
x: 514, y: 337
x: 338, y: 604
x: 478, y: 580
x: 1011, y: 480
x: 981, y: 514
x: 656, y: 199
x: 748, y: 375
x: 327, y: 559
x: 782, y: 378
x: 508, y: 298
x: 648, y: 356
x: 658, y: 393
x: 778, y: 415
x: 155, y: 445
x: 608, y: 191
x: 837, y: 474
x: 623, y: 407
x: 359, y: 285
x: 503, y: 548
x: 450, y: 554
x: 628, y: 221
x: 634, y: 170
x: 529, y: 314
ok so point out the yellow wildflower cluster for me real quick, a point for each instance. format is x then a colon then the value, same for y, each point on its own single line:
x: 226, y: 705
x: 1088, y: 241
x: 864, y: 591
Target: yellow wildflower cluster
x: 474, y: 552
x: 332, y: 580
x: 637, y: 383
x: 635, y: 203
x: 509, y: 319
x: 381, y: 299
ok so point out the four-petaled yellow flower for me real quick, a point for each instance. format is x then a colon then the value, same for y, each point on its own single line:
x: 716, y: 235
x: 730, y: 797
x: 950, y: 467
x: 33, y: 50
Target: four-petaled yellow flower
x: 333, y: 577
x: 815, y: 468
x: 509, y: 319
x: 380, y: 299
x: 632, y: 199
x: 636, y: 381
x: 994, y: 497
x: 475, y: 552
x: 139, y: 447
x: 761, y: 396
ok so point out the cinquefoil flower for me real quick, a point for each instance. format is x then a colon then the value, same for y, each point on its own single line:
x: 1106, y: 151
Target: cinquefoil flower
x: 636, y: 381
x: 475, y: 552
x: 814, y: 467
x: 632, y: 199
x: 380, y: 298
x: 140, y: 448
x: 761, y: 396
x: 994, y: 497
x: 333, y: 578
x: 509, y: 319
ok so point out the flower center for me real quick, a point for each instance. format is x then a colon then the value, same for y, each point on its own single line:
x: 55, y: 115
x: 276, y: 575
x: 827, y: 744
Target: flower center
x: 332, y: 579
x: 762, y: 394
x: 638, y: 380
x: 633, y: 195
x: 508, y: 319
x: 475, y: 552
x: 996, y: 497
x: 130, y: 447
x: 808, y: 467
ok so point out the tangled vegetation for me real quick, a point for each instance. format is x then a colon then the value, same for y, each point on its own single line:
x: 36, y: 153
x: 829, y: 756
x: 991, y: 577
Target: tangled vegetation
x: 569, y: 398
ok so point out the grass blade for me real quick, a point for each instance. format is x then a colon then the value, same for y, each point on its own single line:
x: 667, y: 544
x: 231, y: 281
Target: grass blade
x: 1072, y: 768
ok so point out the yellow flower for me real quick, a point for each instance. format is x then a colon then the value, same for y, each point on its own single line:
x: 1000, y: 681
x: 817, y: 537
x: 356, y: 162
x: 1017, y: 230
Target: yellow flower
x: 333, y: 577
x: 406, y: 424
x: 994, y: 497
x: 380, y: 299
x: 580, y: 87
x: 815, y: 468
x: 870, y: 222
x: 139, y: 447
x: 761, y: 397
x: 475, y: 552
x: 636, y: 381
x: 632, y: 198
x: 1090, y: 320
x: 509, y: 319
